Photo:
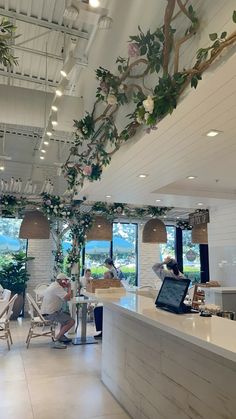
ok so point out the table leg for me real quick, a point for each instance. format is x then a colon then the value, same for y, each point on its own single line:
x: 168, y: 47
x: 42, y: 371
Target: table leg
x: 84, y: 340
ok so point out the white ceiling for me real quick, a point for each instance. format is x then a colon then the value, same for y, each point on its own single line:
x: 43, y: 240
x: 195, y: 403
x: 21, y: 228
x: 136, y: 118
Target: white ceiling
x: 178, y: 148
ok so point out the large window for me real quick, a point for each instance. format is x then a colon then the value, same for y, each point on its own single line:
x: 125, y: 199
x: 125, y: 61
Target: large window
x: 191, y: 257
x: 168, y: 249
x: 124, y: 250
x: 9, y: 238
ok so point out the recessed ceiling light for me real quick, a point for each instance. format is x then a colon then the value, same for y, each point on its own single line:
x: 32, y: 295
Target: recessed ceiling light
x: 2, y: 168
x: 54, y: 123
x: 158, y: 200
x: 164, y: 216
x: 58, y: 92
x: 177, y: 218
x: 46, y: 142
x: 200, y: 203
x: 49, y: 133
x: 191, y: 177
x: 38, y: 208
x: 108, y: 196
x: 142, y: 175
x: 94, y: 3
x: 63, y: 73
x: 42, y: 157
x: 54, y: 108
x: 43, y: 151
x: 213, y: 133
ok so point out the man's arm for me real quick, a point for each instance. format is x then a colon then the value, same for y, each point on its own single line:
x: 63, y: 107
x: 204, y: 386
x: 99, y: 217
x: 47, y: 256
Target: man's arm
x: 68, y: 294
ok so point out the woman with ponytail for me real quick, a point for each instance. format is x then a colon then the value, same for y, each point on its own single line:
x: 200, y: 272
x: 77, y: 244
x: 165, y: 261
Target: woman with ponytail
x: 171, y: 271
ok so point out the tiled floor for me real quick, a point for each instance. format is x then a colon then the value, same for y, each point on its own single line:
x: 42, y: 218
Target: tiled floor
x: 45, y: 383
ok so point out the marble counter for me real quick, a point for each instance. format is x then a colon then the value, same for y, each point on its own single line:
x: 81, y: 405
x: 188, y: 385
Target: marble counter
x: 161, y: 365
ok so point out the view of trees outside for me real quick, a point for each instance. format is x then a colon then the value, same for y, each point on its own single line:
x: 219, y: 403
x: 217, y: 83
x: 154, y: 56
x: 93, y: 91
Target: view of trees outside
x: 124, y: 250
x: 168, y: 249
x: 191, y: 258
x: 9, y: 238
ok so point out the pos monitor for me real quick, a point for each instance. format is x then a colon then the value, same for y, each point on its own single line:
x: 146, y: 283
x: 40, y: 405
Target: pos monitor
x: 172, y: 294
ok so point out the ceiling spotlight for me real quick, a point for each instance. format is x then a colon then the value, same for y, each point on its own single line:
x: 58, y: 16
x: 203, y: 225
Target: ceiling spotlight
x: 142, y: 175
x: 68, y: 65
x: 71, y: 13
x: 2, y: 168
x: 200, y: 203
x: 158, y: 200
x: 94, y: 3
x: 108, y: 196
x: 54, y: 119
x: 43, y: 151
x: 105, y: 22
x: 59, y: 92
x: 46, y: 143
x: 54, y: 108
x: 213, y: 133
x: 42, y: 157
x: 49, y: 133
x: 191, y: 177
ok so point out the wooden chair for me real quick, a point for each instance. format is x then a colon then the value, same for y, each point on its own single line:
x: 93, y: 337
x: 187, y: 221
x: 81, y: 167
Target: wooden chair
x: 39, y: 292
x: 5, y: 315
x: 39, y: 322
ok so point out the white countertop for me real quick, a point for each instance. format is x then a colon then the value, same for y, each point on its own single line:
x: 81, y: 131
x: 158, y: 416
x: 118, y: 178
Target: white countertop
x: 215, y: 334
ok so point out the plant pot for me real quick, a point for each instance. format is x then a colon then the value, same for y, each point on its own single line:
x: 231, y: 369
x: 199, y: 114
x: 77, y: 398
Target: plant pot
x: 18, y: 306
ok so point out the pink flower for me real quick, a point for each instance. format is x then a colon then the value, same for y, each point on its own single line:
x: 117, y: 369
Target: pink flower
x: 87, y: 170
x: 133, y: 50
x: 48, y: 202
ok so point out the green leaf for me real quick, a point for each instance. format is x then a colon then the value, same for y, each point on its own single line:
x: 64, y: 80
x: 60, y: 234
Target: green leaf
x: 213, y: 36
x: 143, y: 50
x: 223, y: 35
x: 234, y: 16
x: 194, y: 82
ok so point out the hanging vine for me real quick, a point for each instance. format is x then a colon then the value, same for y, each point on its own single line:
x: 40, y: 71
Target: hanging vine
x: 7, y: 30
x: 97, y: 137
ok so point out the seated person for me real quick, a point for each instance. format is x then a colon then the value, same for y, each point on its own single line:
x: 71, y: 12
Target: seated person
x: 54, y: 297
x: 98, y: 311
x: 86, y: 277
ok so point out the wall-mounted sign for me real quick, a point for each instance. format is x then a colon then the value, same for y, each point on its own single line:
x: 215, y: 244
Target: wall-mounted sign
x: 199, y: 218
x: 191, y: 255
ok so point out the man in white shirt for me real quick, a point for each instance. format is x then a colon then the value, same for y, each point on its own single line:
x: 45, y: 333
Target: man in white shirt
x: 54, y: 297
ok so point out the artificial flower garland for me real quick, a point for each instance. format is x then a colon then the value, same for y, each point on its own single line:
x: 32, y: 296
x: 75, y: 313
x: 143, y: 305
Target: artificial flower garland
x: 97, y: 137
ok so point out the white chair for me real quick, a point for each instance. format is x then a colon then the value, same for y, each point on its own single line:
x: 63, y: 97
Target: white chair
x: 5, y: 315
x: 39, y: 322
x: 39, y: 292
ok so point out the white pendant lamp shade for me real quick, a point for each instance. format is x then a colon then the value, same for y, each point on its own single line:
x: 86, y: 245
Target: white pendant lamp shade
x: 34, y: 226
x: 154, y: 231
x: 101, y: 230
x: 199, y: 234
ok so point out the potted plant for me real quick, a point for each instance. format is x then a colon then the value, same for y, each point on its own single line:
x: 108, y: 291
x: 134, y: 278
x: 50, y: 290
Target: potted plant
x: 14, y: 276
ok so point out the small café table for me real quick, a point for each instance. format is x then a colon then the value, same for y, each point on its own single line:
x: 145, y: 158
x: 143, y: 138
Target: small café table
x: 76, y: 302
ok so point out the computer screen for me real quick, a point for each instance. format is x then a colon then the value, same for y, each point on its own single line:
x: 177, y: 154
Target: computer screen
x: 172, y: 293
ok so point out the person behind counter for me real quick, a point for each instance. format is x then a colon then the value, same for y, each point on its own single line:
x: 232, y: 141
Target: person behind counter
x: 111, y: 267
x: 98, y: 311
x: 171, y: 271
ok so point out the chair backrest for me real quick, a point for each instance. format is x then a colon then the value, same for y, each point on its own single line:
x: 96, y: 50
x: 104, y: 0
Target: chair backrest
x: 6, y: 295
x: 33, y: 307
x: 39, y: 291
x: 6, y: 312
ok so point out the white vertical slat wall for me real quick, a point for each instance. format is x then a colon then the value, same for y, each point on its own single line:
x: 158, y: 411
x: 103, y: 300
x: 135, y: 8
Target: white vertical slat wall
x: 222, y: 245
